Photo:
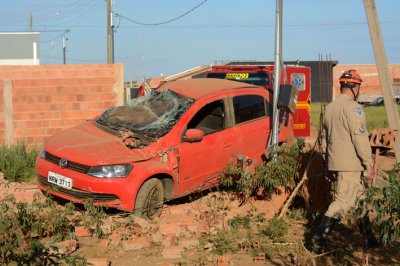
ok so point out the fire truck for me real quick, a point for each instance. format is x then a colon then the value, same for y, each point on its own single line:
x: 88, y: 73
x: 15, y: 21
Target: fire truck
x: 263, y: 75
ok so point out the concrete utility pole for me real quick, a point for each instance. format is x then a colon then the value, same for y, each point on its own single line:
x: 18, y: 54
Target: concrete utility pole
x: 30, y: 22
x: 277, y: 71
x: 383, y: 71
x: 64, y: 47
x: 110, y: 33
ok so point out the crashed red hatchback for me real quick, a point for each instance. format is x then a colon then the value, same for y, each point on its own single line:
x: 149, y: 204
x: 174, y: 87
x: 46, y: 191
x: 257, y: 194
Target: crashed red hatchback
x: 164, y: 145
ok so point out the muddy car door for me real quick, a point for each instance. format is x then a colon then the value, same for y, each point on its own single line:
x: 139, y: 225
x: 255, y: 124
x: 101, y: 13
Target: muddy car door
x: 202, y: 160
x: 252, y: 124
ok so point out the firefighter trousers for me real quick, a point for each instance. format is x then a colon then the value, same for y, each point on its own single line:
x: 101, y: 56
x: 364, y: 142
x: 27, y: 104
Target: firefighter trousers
x: 349, y: 189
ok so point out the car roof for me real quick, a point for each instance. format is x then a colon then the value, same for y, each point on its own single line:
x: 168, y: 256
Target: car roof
x: 200, y: 87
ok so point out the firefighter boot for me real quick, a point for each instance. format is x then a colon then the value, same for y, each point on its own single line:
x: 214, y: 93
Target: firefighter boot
x: 318, y: 241
x: 369, y: 240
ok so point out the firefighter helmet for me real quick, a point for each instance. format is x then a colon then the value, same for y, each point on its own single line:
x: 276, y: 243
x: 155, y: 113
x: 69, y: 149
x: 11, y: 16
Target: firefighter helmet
x: 350, y: 76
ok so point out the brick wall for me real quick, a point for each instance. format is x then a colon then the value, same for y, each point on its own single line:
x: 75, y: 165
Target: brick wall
x: 37, y: 101
x: 369, y: 75
x: 2, y: 116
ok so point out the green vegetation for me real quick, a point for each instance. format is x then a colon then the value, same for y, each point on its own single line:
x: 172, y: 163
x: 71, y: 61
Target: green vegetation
x: 17, y: 163
x: 316, y: 114
x: 23, y: 225
x: 376, y: 116
x: 383, y: 205
x: 268, y: 178
x: 276, y: 229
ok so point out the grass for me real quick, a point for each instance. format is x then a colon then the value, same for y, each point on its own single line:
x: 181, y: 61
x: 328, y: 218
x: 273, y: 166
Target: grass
x: 376, y: 116
x: 17, y: 162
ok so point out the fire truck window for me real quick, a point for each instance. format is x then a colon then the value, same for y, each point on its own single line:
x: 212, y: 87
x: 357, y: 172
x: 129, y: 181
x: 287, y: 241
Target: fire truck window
x: 210, y: 119
x: 248, y: 107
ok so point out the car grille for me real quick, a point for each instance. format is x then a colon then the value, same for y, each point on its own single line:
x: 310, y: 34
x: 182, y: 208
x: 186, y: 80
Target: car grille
x: 71, y: 165
x: 76, y: 193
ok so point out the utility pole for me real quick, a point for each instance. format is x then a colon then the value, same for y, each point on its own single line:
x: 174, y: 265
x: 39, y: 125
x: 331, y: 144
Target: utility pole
x: 31, y: 22
x: 277, y: 71
x: 110, y: 33
x: 64, y: 46
x: 383, y: 71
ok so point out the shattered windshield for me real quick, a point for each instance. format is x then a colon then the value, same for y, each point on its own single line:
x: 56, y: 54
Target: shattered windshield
x: 152, y: 115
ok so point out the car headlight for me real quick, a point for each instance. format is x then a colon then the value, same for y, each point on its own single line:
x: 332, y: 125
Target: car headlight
x: 43, y: 153
x: 110, y: 171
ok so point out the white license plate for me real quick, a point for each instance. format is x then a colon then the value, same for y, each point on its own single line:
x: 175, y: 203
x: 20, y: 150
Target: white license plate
x: 59, y: 180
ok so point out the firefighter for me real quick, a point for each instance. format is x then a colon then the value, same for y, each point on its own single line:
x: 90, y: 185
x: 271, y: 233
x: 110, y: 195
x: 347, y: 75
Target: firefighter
x: 348, y: 157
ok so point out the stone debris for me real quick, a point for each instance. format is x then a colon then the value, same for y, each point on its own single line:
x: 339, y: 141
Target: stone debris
x: 81, y: 231
x: 98, y: 262
x: 66, y: 247
x: 172, y: 252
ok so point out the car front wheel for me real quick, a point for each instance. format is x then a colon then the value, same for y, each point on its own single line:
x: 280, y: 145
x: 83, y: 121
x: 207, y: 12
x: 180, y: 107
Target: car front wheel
x: 149, y: 200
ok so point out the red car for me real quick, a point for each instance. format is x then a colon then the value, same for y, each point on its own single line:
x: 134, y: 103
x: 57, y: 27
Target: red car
x: 164, y: 145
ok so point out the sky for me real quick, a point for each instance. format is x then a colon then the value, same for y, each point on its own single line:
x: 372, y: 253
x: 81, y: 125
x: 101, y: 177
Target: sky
x: 217, y: 31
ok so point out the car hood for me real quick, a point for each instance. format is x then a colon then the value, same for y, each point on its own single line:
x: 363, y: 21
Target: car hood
x: 89, y: 145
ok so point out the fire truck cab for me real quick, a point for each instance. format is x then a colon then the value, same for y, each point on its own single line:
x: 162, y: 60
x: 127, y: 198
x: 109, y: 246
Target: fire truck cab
x: 263, y: 75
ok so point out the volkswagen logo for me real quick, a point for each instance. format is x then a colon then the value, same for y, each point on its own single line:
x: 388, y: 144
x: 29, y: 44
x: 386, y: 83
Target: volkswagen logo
x: 63, y: 163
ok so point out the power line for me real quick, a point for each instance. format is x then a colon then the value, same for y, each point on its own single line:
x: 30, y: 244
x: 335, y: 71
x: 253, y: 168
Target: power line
x: 214, y: 26
x: 59, y: 36
x: 164, y: 22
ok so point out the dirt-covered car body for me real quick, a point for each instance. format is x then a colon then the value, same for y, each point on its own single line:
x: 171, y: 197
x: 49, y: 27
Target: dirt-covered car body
x: 176, y: 141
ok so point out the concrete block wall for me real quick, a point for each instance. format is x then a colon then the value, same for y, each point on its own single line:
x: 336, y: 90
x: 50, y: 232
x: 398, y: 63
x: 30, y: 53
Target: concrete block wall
x: 369, y: 75
x: 37, y: 101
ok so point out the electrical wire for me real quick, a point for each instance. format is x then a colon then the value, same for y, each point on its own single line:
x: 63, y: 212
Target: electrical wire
x: 59, y: 36
x: 76, y: 9
x: 164, y: 22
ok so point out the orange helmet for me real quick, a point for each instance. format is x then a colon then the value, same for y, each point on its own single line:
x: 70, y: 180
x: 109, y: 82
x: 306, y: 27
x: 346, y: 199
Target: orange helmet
x: 350, y: 76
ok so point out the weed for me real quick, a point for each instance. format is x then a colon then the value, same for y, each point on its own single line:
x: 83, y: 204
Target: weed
x: 384, y: 204
x: 17, y: 163
x: 22, y: 225
x: 128, y: 227
x: 269, y: 177
x: 93, y: 218
x: 296, y: 214
x: 276, y: 229
x: 239, y: 221
x: 223, y: 242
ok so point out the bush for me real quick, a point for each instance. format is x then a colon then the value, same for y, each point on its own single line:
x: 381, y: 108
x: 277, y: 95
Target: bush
x: 276, y: 229
x: 279, y: 172
x: 22, y: 225
x: 17, y: 163
x: 384, y: 205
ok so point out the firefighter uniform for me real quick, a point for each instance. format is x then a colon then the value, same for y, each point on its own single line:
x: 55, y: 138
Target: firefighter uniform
x: 348, y: 152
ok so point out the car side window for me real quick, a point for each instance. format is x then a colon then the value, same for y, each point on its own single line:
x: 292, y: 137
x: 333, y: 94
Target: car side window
x: 248, y: 107
x: 210, y: 118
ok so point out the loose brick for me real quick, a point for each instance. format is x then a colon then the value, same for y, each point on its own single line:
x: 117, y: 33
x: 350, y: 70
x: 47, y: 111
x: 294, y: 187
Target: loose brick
x: 166, y: 229
x: 115, y: 238
x: 67, y: 246
x: 135, y: 244
x: 81, y: 231
x: 189, y: 243
x: 97, y: 261
x: 104, y: 243
x: 223, y: 260
x: 172, y: 252
x: 157, y: 237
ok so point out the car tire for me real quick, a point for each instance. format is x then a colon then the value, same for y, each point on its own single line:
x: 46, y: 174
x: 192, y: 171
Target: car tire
x: 149, y: 199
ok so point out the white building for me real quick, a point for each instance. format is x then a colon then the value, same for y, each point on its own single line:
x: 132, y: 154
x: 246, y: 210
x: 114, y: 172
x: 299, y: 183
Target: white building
x: 19, y: 48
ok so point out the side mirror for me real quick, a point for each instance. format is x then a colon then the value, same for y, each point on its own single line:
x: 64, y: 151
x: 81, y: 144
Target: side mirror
x: 193, y: 135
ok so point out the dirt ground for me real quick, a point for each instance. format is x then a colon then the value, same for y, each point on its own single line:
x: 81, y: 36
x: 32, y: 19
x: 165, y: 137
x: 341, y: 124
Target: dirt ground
x: 197, y: 231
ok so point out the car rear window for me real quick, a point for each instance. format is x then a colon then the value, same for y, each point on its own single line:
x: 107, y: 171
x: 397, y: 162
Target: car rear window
x: 248, y: 107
